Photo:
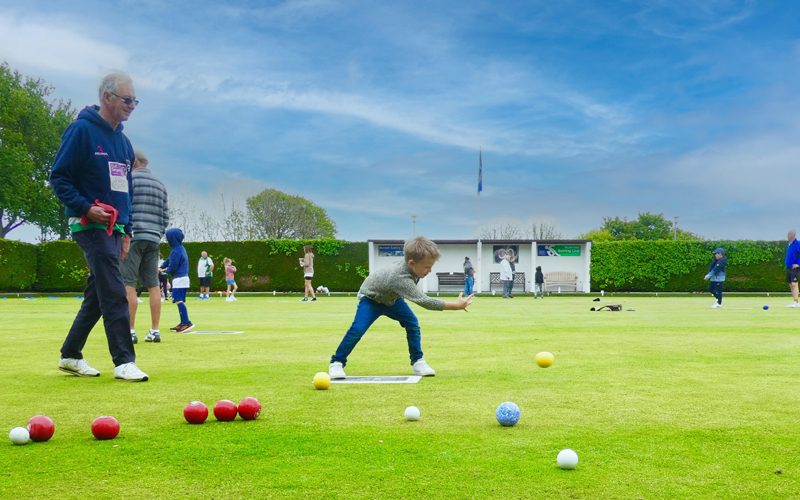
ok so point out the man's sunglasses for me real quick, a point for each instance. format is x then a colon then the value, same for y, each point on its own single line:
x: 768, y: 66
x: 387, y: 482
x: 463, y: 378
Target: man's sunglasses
x: 126, y: 100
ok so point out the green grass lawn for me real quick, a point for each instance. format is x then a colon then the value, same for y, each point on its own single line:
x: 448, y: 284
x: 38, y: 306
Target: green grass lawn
x: 672, y: 400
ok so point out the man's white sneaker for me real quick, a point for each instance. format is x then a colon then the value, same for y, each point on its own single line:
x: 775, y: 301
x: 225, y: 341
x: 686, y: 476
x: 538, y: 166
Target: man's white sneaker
x: 79, y: 367
x: 336, y: 370
x: 422, y: 369
x: 793, y: 305
x: 233, y: 299
x: 229, y: 299
x: 716, y: 305
x: 129, y: 372
x: 153, y: 336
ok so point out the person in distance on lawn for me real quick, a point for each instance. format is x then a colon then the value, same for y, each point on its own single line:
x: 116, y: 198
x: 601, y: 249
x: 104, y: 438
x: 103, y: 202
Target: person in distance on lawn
x: 178, y: 266
x: 538, y: 287
x: 792, y: 262
x: 230, y: 280
x: 716, y: 276
x: 469, y: 277
x: 507, y: 276
x: 308, y: 273
x: 384, y: 293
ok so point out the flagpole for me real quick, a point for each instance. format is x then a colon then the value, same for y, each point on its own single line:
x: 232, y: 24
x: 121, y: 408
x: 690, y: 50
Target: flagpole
x: 480, y: 188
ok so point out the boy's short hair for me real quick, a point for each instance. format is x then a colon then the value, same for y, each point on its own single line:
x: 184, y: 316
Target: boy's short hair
x: 420, y: 248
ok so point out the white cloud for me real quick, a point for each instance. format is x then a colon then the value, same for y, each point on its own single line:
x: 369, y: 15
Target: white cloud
x: 44, y: 43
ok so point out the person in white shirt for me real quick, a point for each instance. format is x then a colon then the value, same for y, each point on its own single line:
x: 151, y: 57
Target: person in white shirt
x: 507, y: 276
x: 205, y: 271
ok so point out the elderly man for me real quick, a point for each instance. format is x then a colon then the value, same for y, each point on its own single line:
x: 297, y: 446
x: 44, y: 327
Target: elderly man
x: 205, y: 271
x: 91, y: 175
x: 792, y: 262
x: 150, y: 217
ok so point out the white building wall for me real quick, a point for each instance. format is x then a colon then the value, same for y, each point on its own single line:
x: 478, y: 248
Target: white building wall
x: 482, y: 256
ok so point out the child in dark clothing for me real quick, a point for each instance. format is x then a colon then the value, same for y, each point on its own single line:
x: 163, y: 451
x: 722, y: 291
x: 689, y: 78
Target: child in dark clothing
x: 538, y: 286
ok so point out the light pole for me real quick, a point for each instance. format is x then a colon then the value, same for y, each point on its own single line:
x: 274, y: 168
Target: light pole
x: 414, y: 224
x: 675, y: 226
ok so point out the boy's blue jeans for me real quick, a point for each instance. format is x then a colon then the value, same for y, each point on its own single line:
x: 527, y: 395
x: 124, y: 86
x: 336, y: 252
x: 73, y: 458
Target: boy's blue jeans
x: 367, y: 312
x: 715, y: 287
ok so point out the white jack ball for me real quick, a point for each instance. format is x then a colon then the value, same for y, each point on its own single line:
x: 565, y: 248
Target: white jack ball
x: 19, y: 435
x: 412, y: 413
x: 567, y: 459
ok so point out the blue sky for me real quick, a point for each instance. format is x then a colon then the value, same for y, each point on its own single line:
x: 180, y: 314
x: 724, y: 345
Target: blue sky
x: 376, y: 110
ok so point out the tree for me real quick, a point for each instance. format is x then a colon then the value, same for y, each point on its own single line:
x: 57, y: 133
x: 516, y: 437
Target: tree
x: 276, y: 215
x: 501, y: 228
x: 510, y: 228
x: 646, y: 227
x: 30, y: 135
x: 541, y: 228
x: 597, y: 235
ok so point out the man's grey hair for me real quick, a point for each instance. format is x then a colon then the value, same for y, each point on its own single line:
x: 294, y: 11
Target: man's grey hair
x: 141, y: 159
x: 111, y: 83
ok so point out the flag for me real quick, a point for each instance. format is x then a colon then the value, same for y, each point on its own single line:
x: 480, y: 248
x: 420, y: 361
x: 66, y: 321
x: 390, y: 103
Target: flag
x: 480, y: 173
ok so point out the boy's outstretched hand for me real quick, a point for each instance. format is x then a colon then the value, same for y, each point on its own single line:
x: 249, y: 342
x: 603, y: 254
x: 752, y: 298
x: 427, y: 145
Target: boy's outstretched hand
x: 461, y: 303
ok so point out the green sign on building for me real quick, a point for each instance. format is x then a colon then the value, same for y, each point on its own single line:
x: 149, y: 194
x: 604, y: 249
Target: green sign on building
x: 559, y: 251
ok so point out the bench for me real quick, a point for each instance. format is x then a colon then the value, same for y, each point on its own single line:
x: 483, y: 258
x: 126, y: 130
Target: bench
x: 450, y: 279
x: 560, y: 278
x: 494, y: 279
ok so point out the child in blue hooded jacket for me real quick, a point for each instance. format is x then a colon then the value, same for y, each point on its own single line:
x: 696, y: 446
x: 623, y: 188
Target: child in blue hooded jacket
x: 178, y: 266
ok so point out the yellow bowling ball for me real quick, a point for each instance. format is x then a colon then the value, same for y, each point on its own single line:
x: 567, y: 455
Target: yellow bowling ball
x: 544, y: 359
x: 322, y: 380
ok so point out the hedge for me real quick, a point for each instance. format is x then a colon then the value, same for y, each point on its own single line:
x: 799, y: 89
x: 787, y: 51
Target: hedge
x: 17, y: 266
x: 272, y: 265
x: 679, y: 266
x: 61, y: 267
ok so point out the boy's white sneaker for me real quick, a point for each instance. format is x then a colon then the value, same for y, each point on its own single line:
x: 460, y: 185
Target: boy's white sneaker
x: 129, y: 372
x: 716, y: 305
x: 229, y: 299
x: 422, y: 369
x: 79, y: 367
x: 233, y: 299
x: 336, y: 370
x: 793, y: 305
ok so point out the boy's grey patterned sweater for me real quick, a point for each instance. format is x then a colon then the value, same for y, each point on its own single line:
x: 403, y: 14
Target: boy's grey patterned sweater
x: 389, y: 283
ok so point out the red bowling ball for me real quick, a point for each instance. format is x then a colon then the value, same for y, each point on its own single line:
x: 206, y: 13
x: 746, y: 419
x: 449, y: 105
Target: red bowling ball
x: 249, y: 409
x: 195, y: 412
x: 105, y: 427
x: 225, y: 410
x: 41, y: 428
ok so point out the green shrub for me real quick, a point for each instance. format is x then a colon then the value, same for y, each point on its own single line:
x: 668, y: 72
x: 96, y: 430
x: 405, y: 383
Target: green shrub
x: 61, y: 267
x: 679, y: 266
x: 17, y: 265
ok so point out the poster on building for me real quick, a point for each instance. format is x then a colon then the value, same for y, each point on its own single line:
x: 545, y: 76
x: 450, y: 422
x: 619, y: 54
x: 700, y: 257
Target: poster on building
x: 390, y: 250
x: 559, y: 251
x: 501, y: 251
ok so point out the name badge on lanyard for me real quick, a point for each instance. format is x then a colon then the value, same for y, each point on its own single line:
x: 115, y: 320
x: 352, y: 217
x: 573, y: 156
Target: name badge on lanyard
x: 118, y: 172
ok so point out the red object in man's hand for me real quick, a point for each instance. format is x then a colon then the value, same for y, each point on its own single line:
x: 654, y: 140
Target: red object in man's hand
x: 108, y: 208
